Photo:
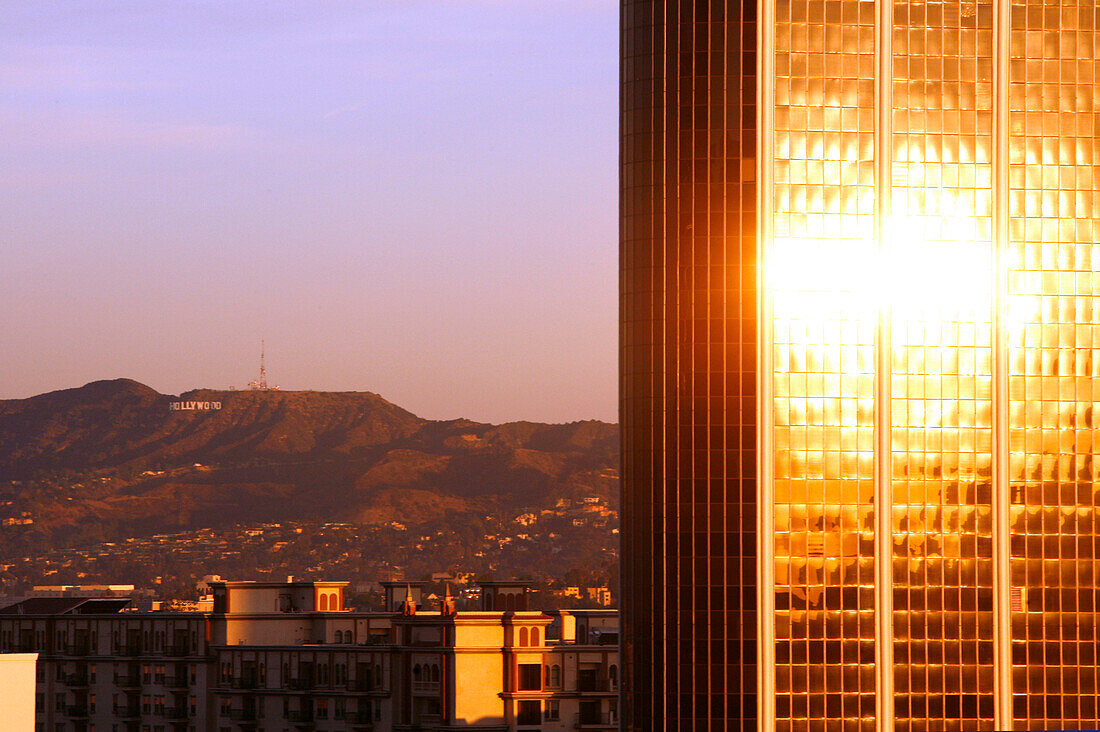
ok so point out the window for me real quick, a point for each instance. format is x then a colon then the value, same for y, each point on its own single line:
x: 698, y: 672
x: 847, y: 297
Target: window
x: 530, y: 677
x: 523, y: 636
x: 225, y: 704
x: 535, y: 637
x: 555, y: 677
x: 528, y: 713
x: 323, y: 605
x: 613, y: 675
x: 553, y: 713
x: 322, y: 709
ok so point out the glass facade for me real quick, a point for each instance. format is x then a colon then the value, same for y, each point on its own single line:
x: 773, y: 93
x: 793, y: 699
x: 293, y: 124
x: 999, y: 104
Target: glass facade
x: 921, y: 332
x: 939, y: 249
x: 688, y: 299
x: 823, y: 338
x: 1054, y: 277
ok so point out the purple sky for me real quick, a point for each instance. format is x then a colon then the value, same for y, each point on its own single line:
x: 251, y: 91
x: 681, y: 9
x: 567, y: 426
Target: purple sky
x: 411, y: 197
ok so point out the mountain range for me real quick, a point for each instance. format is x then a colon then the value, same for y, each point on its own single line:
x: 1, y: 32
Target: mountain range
x: 115, y: 459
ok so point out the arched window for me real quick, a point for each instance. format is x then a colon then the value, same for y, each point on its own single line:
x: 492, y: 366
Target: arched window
x: 435, y: 672
x: 510, y: 602
x: 613, y: 674
x: 555, y: 676
x: 522, y: 636
x: 333, y: 600
x: 323, y: 604
x: 416, y: 672
x: 535, y: 637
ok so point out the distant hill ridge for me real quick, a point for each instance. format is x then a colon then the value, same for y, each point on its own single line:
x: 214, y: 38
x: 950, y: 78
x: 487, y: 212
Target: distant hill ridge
x: 117, y: 451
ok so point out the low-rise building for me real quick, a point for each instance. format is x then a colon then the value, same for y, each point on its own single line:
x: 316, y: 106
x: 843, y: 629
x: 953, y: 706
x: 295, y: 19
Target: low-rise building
x: 17, y: 691
x: 289, y: 656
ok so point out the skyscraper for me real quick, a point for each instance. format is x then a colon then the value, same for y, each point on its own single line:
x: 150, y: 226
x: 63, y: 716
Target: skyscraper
x: 860, y: 323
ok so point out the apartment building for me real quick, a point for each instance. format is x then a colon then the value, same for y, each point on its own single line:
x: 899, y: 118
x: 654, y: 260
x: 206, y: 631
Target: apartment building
x: 288, y: 656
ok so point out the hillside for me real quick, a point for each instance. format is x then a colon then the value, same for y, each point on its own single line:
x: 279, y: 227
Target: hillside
x: 114, y: 460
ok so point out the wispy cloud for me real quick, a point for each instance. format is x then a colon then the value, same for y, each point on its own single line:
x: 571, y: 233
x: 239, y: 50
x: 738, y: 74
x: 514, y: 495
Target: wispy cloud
x: 88, y: 129
x: 68, y: 69
x: 345, y: 109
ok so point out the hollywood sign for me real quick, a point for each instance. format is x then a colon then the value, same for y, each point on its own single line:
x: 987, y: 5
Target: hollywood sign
x: 194, y: 406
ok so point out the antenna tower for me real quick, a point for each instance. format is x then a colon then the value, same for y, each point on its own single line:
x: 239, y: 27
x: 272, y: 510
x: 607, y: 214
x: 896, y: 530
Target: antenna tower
x: 263, y: 371
x: 260, y: 384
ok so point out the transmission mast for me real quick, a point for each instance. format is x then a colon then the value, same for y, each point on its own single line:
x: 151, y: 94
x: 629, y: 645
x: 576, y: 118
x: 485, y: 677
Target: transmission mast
x: 263, y: 371
x: 260, y: 384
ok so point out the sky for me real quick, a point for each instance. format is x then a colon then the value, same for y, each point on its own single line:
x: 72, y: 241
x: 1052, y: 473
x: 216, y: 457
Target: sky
x: 415, y: 198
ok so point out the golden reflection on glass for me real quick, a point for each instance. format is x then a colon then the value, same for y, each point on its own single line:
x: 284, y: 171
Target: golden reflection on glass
x: 824, y: 333
x: 1054, y: 266
x: 940, y: 266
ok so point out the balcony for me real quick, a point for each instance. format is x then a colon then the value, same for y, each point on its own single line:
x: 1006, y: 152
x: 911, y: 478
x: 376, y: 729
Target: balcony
x: 132, y: 681
x: 76, y: 680
x: 425, y: 687
x: 603, y: 720
x: 301, y: 717
x: 178, y: 650
x: 77, y: 711
x: 363, y: 685
x: 176, y: 682
x: 127, y: 711
x: 177, y: 713
x: 242, y: 715
x: 246, y: 682
x: 128, y: 649
x: 359, y: 717
x: 596, y: 684
x: 78, y: 649
x: 300, y: 684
